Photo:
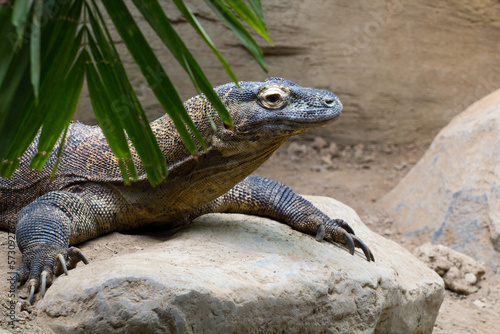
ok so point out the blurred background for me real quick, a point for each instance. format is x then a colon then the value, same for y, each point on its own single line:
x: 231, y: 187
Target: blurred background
x: 402, y: 68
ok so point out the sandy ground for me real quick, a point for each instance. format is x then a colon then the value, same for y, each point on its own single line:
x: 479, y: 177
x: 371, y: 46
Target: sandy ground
x: 356, y: 175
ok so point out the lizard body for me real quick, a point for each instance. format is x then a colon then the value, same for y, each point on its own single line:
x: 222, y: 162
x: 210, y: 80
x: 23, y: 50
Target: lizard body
x: 88, y: 198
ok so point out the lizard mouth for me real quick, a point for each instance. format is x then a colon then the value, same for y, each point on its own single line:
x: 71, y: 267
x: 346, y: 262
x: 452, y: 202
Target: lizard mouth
x: 310, y: 120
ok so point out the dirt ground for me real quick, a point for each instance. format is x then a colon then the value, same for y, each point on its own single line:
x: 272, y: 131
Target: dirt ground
x: 357, y: 175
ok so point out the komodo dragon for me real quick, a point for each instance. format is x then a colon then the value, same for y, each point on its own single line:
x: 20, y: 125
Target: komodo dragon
x: 87, y: 197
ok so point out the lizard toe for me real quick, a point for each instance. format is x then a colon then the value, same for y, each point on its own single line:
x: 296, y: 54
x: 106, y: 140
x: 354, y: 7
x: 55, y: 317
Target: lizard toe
x: 47, y: 277
x: 321, y: 232
x: 22, y: 274
x: 75, y: 255
x: 342, y: 223
x: 347, y: 239
x: 32, y: 286
x: 360, y: 244
x: 42, y: 263
x: 337, y: 230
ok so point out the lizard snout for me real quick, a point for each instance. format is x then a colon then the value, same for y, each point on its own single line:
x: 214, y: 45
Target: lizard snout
x: 332, y: 102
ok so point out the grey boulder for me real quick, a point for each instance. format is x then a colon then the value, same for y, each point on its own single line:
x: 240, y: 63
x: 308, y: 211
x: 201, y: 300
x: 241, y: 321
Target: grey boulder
x: 242, y: 274
x: 452, y: 195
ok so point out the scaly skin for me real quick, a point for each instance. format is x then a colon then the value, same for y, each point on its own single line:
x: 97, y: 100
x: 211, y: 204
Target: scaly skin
x: 88, y: 198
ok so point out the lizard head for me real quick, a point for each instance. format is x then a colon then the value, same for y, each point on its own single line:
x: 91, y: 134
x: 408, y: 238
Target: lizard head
x: 277, y: 107
x: 264, y: 115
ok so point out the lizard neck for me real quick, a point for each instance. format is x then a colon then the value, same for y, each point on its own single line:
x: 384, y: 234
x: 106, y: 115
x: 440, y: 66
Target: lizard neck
x: 197, y: 180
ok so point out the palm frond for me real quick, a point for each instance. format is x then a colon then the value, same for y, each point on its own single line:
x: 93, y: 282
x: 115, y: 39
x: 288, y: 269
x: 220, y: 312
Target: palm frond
x: 52, y: 46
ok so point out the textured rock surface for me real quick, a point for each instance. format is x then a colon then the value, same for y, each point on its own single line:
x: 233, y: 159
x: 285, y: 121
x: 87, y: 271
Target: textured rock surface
x: 459, y: 271
x: 452, y: 195
x: 401, y: 68
x: 236, y: 273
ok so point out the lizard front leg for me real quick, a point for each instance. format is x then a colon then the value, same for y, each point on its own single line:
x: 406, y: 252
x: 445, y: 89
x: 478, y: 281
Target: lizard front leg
x: 269, y: 198
x: 56, y: 220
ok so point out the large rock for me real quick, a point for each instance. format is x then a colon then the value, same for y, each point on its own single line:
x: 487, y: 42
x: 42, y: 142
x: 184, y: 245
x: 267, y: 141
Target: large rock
x: 452, y: 195
x: 238, y: 274
x: 396, y: 65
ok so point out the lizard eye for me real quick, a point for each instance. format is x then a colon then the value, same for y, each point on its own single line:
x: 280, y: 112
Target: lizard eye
x: 273, y: 97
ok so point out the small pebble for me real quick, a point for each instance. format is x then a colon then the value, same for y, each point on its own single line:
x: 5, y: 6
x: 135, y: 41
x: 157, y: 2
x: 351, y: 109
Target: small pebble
x: 481, y: 304
x: 471, y: 278
x: 334, y: 150
x: 478, y: 303
x: 319, y: 143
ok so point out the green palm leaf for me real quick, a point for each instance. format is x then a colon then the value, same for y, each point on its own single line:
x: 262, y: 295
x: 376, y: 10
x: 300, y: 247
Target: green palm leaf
x: 239, y: 30
x: 158, y: 20
x: 52, y: 46
x: 189, y: 16
x: 22, y: 115
x: 254, y: 20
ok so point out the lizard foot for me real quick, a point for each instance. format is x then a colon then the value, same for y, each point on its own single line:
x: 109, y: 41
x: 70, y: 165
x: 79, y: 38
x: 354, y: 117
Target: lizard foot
x: 42, y: 263
x: 337, y: 230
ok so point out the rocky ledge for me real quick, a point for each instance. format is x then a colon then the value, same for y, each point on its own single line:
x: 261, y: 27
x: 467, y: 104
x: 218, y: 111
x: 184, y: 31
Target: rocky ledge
x: 237, y: 273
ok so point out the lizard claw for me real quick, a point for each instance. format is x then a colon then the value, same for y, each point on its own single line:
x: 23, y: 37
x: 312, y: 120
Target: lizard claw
x: 75, y: 255
x: 347, y: 239
x: 42, y: 263
x: 62, y: 262
x: 33, y: 283
x: 360, y: 244
x: 320, y: 233
x: 47, y: 278
x: 44, y: 283
x: 337, y: 230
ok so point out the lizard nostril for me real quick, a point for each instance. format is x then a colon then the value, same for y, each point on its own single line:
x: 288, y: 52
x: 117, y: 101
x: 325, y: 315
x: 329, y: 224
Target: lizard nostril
x: 330, y: 102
